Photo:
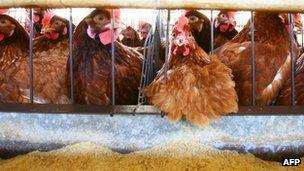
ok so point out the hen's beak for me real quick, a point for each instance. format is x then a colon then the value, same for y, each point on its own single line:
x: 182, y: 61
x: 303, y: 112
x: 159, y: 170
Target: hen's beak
x: 222, y: 20
x: 108, y: 26
x: 47, y: 29
x: 180, y: 41
x: 181, y: 46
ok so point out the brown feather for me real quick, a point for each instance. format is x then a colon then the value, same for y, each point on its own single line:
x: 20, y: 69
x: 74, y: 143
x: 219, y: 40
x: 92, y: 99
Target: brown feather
x: 92, y: 70
x: 197, y: 87
x: 285, y: 95
x: 49, y: 72
x: 272, y: 59
x: 12, y: 50
x: 132, y: 41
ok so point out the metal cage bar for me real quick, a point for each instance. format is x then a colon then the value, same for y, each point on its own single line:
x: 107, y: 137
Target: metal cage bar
x: 292, y: 59
x: 71, y: 56
x: 146, y: 109
x: 167, y: 44
x: 253, y: 59
x: 302, y: 39
x: 255, y: 5
x: 143, y: 79
x: 31, y: 74
x: 113, y: 58
x: 212, y: 31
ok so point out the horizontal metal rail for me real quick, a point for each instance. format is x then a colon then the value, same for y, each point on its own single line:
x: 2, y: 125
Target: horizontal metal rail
x: 255, y: 5
x: 134, y: 109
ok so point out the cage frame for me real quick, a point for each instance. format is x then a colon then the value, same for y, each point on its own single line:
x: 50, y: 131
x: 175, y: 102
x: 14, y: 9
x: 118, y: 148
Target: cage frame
x: 255, y: 5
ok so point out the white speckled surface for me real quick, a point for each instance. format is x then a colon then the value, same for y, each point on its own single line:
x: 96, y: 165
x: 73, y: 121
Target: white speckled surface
x: 131, y: 133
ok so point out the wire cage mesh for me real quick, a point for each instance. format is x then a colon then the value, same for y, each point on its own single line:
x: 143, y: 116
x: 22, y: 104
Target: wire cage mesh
x: 162, y: 21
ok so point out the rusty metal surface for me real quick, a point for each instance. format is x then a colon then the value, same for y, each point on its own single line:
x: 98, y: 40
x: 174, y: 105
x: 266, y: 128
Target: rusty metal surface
x: 269, y: 137
x: 136, y: 110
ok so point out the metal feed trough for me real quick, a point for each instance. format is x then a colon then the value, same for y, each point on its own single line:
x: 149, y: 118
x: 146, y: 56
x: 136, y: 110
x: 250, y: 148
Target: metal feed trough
x: 271, y: 132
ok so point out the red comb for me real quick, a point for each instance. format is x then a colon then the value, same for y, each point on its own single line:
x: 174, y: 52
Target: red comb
x: 185, y: 12
x: 182, y: 21
x: 297, y: 17
x: 231, y: 14
x: 48, y: 15
x: 2, y: 11
x: 116, y: 13
x: 141, y: 23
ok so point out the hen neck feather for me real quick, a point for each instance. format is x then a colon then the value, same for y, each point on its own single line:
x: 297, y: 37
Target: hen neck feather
x: 268, y: 28
x: 14, y: 48
x: 196, y: 57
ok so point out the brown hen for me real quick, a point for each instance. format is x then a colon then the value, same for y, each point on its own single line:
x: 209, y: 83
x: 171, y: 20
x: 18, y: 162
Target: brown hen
x: 93, y: 63
x: 130, y: 37
x: 200, y: 28
x: 284, y: 98
x: 272, y: 59
x: 49, y: 64
x: 144, y: 29
x: 224, y: 28
x: 14, y: 45
x: 197, y: 86
x: 38, y: 14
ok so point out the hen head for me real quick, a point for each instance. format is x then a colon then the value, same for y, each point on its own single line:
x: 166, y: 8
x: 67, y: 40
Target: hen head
x: 100, y: 27
x: 129, y: 33
x: 196, y: 20
x: 225, y: 21
x: 37, y: 14
x: 182, y: 43
x: 7, y: 27
x: 144, y: 29
x: 54, y: 26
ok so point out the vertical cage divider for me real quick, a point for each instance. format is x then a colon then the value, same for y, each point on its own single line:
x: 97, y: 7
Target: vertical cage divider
x: 145, y: 66
x: 143, y: 78
x: 253, y: 69
x: 167, y: 49
x: 31, y: 74
x: 113, y: 59
x: 150, y: 56
x: 292, y: 59
x: 212, y: 31
x: 302, y: 39
x: 71, y: 56
x: 167, y: 44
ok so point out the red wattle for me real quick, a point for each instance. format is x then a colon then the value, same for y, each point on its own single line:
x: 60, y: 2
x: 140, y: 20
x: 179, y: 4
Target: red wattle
x: 224, y: 27
x: 1, y: 37
x: 53, y: 35
x: 185, y: 50
x: 106, y: 36
x: 175, y: 50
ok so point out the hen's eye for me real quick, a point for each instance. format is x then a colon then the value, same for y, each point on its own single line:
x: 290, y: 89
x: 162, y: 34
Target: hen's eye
x: 192, y: 19
x: 100, y: 17
x: 173, y: 34
x: 223, y: 15
x: 3, y: 22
